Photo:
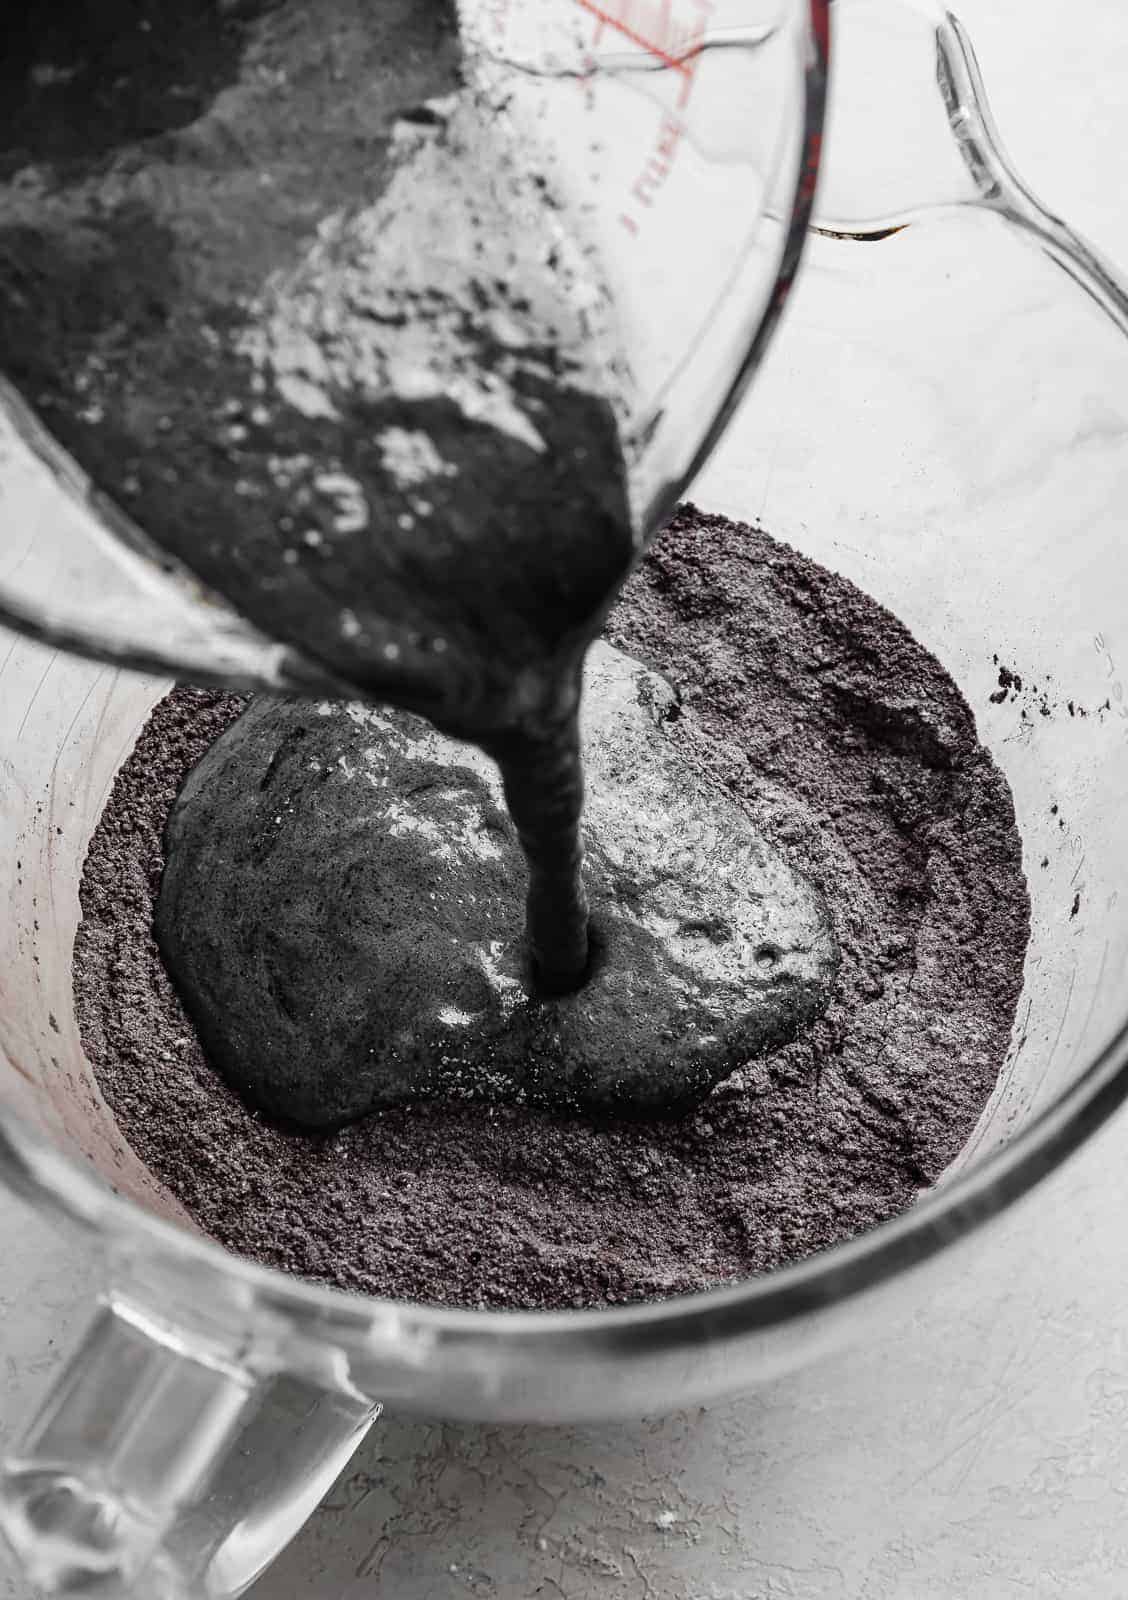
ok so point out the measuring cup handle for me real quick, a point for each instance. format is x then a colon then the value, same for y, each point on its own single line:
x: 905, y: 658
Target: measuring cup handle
x: 118, y: 1486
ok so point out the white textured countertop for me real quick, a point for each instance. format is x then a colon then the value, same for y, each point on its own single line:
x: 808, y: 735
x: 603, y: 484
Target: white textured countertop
x: 976, y: 1450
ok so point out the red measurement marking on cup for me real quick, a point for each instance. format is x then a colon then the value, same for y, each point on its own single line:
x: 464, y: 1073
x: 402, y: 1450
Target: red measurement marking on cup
x: 672, y: 32
x: 650, y: 24
x: 497, y: 13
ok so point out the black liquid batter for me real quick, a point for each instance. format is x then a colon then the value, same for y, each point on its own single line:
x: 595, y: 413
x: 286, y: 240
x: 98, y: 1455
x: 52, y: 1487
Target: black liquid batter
x: 341, y: 911
x: 289, y: 286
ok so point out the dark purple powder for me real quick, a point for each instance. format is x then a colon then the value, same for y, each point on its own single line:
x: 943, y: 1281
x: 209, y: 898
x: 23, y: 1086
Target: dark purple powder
x: 817, y: 709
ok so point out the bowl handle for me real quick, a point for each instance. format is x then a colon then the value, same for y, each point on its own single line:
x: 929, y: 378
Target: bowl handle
x: 160, y: 1465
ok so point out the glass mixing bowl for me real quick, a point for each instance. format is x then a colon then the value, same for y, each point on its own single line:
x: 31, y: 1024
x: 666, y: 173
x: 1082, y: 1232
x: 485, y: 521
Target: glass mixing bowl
x: 945, y: 421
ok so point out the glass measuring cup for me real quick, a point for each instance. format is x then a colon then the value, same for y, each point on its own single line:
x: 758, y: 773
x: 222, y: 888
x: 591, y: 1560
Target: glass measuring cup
x: 642, y: 123
x: 885, y: 446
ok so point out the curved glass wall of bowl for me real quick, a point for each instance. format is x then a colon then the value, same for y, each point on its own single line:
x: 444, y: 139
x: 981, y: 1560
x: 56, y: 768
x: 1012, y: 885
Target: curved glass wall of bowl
x: 671, y: 140
x: 943, y: 424
x: 910, y: 134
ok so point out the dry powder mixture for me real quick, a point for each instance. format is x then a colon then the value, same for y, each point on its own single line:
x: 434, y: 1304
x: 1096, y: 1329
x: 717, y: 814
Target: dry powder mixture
x: 817, y: 709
